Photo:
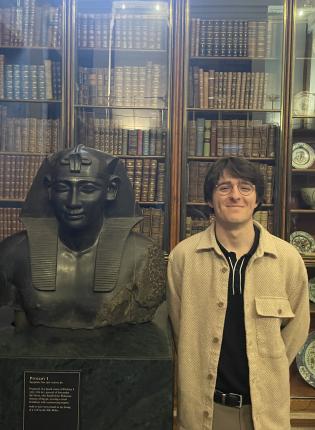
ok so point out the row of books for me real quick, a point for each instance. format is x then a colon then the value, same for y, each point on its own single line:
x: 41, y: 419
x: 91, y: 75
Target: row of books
x: 265, y: 218
x: 10, y: 222
x: 197, y: 171
x: 236, y: 137
x: 107, y: 136
x: 152, y: 224
x: 123, y: 86
x: 196, y: 225
x: 28, y: 134
x: 232, y: 90
x: 30, y: 25
x: 147, y: 177
x: 16, y: 174
x: 234, y: 38
x: 30, y: 81
x: 121, y: 31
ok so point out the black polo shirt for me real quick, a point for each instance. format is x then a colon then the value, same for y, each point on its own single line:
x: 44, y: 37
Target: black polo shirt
x: 233, y: 372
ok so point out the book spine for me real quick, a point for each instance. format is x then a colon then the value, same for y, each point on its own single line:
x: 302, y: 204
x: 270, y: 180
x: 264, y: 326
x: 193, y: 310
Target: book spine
x: 145, y: 180
x: 207, y: 138
x: 192, y: 181
x: 200, y: 124
x: 160, y: 186
x: 138, y: 179
x: 152, y: 182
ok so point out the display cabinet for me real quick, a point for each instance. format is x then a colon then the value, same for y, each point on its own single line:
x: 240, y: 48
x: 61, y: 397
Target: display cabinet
x: 233, y: 99
x: 300, y: 226
x: 31, y: 97
x: 89, y: 72
x: 121, y: 95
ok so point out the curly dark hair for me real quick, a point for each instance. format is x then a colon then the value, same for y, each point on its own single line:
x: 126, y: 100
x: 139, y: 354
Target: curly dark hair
x: 238, y: 168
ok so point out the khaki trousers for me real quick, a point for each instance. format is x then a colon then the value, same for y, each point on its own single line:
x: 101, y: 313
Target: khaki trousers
x: 227, y: 418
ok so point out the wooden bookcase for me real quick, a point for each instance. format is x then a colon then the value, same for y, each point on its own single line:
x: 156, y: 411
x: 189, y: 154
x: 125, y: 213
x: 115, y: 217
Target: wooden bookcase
x: 89, y: 72
x: 31, y: 97
x: 301, y: 172
x: 244, y: 65
x: 120, y: 96
x: 232, y: 99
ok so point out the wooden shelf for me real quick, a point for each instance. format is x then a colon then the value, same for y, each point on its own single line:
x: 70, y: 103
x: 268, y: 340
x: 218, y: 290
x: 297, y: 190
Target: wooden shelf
x: 40, y: 48
x: 302, y: 211
x: 231, y: 110
x: 11, y: 200
x: 217, y: 57
x: 127, y: 50
x: 202, y: 158
x: 28, y: 101
x: 264, y: 206
x: 39, y: 154
x: 309, y: 260
x: 159, y: 157
x: 151, y: 203
x: 302, y: 171
x: 302, y: 399
x: 121, y: 107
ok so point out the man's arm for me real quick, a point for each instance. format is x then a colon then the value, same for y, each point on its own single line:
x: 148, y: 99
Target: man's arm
x: 173, y: 295
x: 295, y: 332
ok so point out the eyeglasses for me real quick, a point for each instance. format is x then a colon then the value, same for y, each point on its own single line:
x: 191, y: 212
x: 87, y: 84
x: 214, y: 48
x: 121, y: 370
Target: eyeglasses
x: 244, y: 188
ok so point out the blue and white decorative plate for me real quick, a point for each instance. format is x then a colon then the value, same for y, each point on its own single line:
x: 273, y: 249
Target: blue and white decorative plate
x: 311, y: 287
x: 303, y: 242
x: 303, y: 155
x: 305, y: 360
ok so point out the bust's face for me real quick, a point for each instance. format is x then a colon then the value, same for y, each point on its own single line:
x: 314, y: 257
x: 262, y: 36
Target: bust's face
x: 78, y: 201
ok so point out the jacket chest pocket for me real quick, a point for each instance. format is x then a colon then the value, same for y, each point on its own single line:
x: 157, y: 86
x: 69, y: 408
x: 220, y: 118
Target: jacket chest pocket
x: 271, y: 313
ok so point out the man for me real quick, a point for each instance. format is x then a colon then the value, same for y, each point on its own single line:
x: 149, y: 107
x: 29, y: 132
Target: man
x: 238, y: 302
x: 78, y: 264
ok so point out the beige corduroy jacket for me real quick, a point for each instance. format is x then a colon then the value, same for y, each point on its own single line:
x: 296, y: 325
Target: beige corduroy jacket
x: 276, y: 310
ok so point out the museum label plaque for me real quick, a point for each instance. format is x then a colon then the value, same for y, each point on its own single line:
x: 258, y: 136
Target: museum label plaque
x: 51, y: 400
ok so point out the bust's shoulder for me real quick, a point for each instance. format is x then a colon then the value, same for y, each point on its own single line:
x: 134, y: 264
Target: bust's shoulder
x: 142, y: 245
x: 16, y: 241
x: 14, y: 253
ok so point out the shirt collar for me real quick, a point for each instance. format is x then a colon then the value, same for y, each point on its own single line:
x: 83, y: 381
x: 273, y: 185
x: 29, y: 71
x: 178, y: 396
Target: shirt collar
x: 252, y: 249
x: 266, y: 243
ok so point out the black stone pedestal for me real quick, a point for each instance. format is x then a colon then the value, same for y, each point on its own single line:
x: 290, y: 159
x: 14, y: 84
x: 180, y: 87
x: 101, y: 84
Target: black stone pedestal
x: 125, y: 373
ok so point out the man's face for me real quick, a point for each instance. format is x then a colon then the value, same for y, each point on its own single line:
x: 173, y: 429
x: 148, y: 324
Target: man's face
x: 230, y: 205
x: 78, y: 201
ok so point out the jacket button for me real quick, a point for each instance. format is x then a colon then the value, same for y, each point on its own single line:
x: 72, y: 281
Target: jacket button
x: 224, y: 270
x: 220, y: 304
x: 205, y: 414
x: 210, y: 376
x: 279, y: 311
x: 215, y: 340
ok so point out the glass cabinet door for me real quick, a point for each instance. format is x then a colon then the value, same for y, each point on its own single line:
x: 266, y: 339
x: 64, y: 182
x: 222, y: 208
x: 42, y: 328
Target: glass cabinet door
x: 233, y: 98
x: 300, y: 225
x: 301, y: 198
x: 122, y: 95
x: 31, y: 97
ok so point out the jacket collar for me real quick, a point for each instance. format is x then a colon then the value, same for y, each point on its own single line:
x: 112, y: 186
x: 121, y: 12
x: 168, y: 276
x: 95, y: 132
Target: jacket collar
x: 266, y: 241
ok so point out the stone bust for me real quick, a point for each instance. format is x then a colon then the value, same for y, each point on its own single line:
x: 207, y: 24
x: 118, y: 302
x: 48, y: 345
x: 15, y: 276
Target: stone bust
x: 78, y: 264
